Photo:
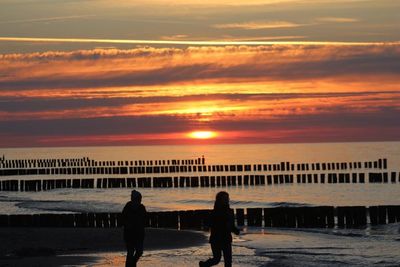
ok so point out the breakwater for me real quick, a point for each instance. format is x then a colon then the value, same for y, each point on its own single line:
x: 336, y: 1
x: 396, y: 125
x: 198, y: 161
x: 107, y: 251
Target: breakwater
x: 176, y: 173
x: 286, y: 217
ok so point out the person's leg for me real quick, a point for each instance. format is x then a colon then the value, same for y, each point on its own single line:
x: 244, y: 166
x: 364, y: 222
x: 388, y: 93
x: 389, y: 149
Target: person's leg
x: 130, y: 250
x: 216, y: 251
x: 227, y: 249
x: 138, y: 251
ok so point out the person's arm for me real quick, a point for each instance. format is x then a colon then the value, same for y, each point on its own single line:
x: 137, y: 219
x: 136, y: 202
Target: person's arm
x: 144, y: 217
x: 208, y: 222
x: 233, y: 227
x: 124, y: 216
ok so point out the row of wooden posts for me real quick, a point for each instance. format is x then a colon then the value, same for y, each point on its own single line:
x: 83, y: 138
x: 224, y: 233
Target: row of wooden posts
x: 291, y: 217
x: 176, y: 167
x: 197, y: 181
x: 86, y: 162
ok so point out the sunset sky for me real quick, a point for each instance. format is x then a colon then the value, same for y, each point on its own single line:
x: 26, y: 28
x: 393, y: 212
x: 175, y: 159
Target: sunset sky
x: 125, y: 72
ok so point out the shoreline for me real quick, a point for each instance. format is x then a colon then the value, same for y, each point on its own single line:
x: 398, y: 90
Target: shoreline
x: 76, y: 246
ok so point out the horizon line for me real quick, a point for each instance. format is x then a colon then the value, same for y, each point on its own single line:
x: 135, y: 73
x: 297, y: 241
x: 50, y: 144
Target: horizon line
x: 187, y: 42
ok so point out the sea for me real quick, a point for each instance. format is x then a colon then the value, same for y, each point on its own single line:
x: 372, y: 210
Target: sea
x: 372, y: 246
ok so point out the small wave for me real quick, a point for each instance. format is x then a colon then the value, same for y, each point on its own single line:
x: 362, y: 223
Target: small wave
x: 252, y: 204
x: 70, y: 206
x: 13, y: 199
x: 348, y: 234
x: 305, y: 253
x: 310, y: 248
x: 289, y: 204
x: 195, y: 201
x: 246, y: 203
x: 335, y: 232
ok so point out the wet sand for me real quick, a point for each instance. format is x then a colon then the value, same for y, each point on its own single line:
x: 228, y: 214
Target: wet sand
x: 80, y: 246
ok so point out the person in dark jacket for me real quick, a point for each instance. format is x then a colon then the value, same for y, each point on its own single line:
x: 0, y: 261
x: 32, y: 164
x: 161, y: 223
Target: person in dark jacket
x: 222, y: 224
x: 134, y: 221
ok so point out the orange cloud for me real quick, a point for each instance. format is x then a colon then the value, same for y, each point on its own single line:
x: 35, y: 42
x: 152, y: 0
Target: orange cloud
x: 338, y: 19
x: 263, y: 93
x: 259, y: 25
x: 236, y: 64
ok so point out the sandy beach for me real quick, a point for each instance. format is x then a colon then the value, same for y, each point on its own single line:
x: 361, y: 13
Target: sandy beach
x: 255, y: 247
x: 81, y: 246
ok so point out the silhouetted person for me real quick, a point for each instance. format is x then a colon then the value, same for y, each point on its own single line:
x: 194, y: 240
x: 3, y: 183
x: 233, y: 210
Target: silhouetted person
x: 222, y: 224
x: 134, y: 220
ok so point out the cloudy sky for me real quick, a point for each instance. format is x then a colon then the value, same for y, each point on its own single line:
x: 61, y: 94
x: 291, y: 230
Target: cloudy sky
x: 123, y: 72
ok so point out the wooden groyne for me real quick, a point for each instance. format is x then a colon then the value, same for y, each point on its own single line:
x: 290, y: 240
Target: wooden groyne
x: 198, y: 181
x: 86, y: 166
x: 86, y: 162
x: 175, y: 173
x: 284, y: 217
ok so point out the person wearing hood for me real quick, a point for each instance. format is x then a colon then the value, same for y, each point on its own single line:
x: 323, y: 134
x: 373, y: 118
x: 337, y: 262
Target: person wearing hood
x: 134, y: 222
x: 222, y: 224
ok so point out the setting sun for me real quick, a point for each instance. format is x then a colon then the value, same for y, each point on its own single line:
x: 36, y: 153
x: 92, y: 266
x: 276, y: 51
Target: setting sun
x: 202, y: 134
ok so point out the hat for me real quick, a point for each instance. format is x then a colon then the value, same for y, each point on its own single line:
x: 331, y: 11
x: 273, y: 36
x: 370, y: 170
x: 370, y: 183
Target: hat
x: 135, y: 195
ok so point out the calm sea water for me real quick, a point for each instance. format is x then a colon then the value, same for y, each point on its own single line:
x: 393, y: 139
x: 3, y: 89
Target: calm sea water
x: 225, y: 154
x: 74, y: 200
x: 377, y: 246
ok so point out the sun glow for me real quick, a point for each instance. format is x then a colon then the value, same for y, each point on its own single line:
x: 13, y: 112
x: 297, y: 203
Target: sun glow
x: 202, y: 134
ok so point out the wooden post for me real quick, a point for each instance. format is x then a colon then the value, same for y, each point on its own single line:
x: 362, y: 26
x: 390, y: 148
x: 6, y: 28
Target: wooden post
x: 113, y: 219
x: 359, y: 216
x: 354, y: 178
x: 385, y: 177
x: 194, y: 181
x: 330, y: 211
x: 223, y: 180
x: 246, y: 180
x: 290, y: 216
x: 91, y: 219
x: 361, y: 177
x: 168, y: 219
x: 269, y: 179
x: 392, y: 212
x: 393, y: 177
x: 277, y: 217
x: 315, y: 178
x: 185, y: 219
x: 373, y: 215
x: 322, y: 178
x: 268, y: 217
x: 234, y: 180
x: 240, y: 217
x: 228, y: 180
x: 254, y: 217
x: 287, y: 179
x: 187, y: 181
x: 382, y: 214
x: 341, y: 178
x: 81, y: 220
x: 334, y: 178
x: 309, y: 178
x: 340, y: 216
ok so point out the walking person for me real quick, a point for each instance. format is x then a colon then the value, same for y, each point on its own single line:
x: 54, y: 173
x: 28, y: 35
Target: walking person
x: 134, y: 221
x: 222, y: 224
